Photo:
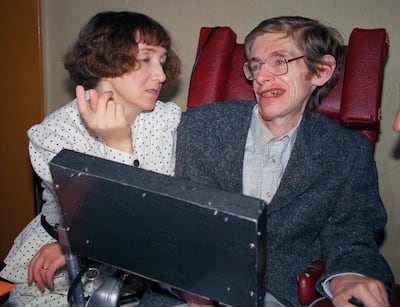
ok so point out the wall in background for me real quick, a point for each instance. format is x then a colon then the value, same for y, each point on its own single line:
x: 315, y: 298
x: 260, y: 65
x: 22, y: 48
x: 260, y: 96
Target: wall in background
x: 183, y: 18
x: 21, y: 91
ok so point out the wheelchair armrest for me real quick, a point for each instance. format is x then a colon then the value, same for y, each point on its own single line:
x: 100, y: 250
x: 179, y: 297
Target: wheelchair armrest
x: 306, y: 281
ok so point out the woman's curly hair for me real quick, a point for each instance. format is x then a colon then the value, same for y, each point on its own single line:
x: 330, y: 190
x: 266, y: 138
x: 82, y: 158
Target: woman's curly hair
x: 108, y: 44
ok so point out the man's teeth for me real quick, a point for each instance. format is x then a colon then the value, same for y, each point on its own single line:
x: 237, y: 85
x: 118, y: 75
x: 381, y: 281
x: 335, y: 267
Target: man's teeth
x: 273, y: 93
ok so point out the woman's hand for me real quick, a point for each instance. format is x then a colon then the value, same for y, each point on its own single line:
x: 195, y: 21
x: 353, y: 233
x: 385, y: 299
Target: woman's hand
x: 106, y: 118
x: 43, y: 265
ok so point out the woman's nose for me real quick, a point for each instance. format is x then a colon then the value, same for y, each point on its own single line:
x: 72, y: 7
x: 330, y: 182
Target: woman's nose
x: 159, y: 74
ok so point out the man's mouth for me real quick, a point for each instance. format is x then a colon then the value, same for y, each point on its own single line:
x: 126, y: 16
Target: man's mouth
x: 272, y: 93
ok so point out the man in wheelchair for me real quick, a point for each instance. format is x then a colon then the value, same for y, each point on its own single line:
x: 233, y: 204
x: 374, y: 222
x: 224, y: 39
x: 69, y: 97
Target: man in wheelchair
x: 319, y: 179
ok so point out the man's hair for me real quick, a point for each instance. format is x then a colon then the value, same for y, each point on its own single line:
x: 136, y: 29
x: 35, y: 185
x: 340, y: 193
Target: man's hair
x: 314, y: 39
x: 108, y: 44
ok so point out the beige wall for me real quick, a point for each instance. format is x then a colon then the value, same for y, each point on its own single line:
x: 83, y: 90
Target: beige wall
x: 63, y: 19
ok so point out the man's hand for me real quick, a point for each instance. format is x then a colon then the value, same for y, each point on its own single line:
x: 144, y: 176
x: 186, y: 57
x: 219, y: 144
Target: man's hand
x: 196, y: 301
x: 43, y: 265
x: 370, y: 292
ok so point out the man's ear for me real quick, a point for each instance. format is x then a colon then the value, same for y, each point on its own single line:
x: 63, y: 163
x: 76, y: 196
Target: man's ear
x: 325, y: 70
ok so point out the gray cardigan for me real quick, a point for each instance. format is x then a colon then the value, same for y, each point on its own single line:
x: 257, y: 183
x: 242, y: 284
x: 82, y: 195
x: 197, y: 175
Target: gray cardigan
x: 327, y: 204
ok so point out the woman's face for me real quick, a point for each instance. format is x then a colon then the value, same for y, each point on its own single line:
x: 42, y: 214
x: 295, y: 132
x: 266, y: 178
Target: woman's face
x: 137, y: 90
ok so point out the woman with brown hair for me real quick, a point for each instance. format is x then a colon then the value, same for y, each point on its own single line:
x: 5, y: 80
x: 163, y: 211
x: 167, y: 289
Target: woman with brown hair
x: 119, y: 62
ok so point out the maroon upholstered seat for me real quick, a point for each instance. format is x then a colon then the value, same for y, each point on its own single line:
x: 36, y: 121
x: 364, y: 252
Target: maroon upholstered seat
x: 355, y: 102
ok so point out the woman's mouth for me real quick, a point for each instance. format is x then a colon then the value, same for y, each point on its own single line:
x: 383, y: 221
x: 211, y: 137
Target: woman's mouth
x: 154, y: 91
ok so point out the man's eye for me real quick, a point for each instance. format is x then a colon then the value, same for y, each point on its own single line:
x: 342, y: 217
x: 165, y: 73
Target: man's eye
x: 279, y: 62
x: 254, y: 66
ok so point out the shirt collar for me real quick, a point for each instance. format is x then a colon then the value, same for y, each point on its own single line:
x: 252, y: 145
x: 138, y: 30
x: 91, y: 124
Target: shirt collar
x: 261, y: 135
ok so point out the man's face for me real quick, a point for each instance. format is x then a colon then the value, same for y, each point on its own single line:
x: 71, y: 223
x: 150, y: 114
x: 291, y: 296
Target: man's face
x: 282, y: 99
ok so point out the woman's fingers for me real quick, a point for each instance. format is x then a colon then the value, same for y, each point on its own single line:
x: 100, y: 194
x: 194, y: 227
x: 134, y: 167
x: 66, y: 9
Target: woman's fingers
x: 94, y: 109
x: 105, y: 118
x: 45, y: 263
x: 83, y: 106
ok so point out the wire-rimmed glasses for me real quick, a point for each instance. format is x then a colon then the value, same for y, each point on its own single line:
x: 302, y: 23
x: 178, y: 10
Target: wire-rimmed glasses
x: 275, y: 64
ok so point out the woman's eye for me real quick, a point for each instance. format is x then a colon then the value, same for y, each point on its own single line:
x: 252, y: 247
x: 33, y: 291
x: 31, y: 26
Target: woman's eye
x: 144, y: 60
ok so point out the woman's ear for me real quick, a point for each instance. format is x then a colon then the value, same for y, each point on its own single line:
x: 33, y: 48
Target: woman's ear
x: 325, y: 70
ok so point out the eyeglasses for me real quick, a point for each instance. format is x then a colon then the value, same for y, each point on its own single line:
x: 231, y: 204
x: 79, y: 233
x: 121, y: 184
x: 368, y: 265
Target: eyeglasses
x: 275, y: 64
